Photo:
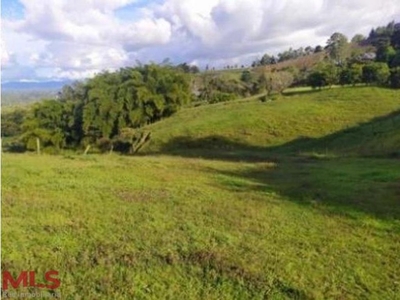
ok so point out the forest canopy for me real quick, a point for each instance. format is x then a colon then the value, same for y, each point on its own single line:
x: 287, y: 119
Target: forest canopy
x: 101, y: 109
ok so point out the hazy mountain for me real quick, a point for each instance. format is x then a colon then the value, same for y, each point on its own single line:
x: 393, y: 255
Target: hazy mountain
x: 33, y: 85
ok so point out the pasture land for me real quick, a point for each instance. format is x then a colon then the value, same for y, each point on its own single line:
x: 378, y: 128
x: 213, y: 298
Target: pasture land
x: 298, y: 198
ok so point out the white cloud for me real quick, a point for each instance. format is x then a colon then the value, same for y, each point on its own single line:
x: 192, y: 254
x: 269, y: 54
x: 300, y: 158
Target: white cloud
x: 85, y: 35
x: 89, y: 22
x: 145, y: 32
x: 192, y: 16
x: 5, y: 55
x: 62, y: 38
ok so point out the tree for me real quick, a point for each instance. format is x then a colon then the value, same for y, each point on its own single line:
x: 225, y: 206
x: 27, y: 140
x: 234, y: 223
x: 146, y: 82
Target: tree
x: 49, y: 121
x: 356, y: 73
x: 331, y: 74
x: 396, y: 60
x: 97, y: 110
x: 188, y: 68
x: 381, y: 36
x: 351, y: 75
x: 309, y: 50
x: 74, y: 92
x: 395, y: 40
x: 358, y: 39
x: 329, y: 71
x: 194, y: 69
x: 267, y: 60
x: 276, y: 81
x: 385, y: 53
x: 133, y: 98
x: 376, y: 73
x: 66, y: 93
x: 318, y: 49
x: 317, y: 79
x: 337, y: 47
x: 345, y: 77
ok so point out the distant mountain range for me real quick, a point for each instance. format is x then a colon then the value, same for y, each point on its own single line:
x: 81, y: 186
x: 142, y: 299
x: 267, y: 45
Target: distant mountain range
x: 24, y: 92
x: 33, y: 85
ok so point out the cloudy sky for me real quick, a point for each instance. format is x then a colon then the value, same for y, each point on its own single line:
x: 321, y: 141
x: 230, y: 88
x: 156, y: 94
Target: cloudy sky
x: 71, y: 39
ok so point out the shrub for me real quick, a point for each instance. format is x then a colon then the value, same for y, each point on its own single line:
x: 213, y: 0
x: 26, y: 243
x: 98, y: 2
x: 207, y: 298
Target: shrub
x: 104, y: 144
x: 221, y: 97
x: 317, y: 79
x: 15, y: 146
x: 376, y: 73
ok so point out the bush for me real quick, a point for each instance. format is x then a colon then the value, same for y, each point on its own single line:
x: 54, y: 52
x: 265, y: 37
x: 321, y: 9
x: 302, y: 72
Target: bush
x: 221, y: 97
x: 104, y: 144
x: 317, y: 79
x: 376, y: 73
x: 15, y: 146
x: 351, y: 75
x: 246, y: 76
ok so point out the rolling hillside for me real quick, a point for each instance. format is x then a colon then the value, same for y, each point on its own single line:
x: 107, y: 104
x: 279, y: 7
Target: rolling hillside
x: 241, y: 200
x: 363, y: 120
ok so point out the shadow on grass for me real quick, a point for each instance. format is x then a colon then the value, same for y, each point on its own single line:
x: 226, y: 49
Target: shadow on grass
x: 213, y: 147
x: 301, y: 92
x: 353, y: 179
x: 351, y: 141
x: 346, y: 186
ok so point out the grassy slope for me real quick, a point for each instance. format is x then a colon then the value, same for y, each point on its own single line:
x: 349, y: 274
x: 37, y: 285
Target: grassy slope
x: 257, y: 126
x: 163, y: 227
x: 174, y: 228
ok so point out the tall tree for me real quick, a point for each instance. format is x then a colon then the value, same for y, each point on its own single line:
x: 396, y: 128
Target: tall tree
x: 338, y: 48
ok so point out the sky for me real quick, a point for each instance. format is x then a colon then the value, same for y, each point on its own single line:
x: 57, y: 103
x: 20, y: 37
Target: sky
x: 45, y: 40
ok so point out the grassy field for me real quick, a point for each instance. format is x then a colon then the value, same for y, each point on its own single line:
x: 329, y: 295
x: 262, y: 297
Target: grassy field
x: 297, y: 198
x: 350, y: 120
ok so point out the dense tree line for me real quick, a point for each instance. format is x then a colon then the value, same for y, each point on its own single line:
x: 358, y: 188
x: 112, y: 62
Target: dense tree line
x: 286, y: 55
x: 104, y: 109
x: 374, y: 59
x: 343, y: 67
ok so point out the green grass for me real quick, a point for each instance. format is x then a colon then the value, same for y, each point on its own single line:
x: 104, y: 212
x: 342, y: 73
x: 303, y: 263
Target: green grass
x: 301, y: 117
x: 173, y: 228
x: 268, y: 212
